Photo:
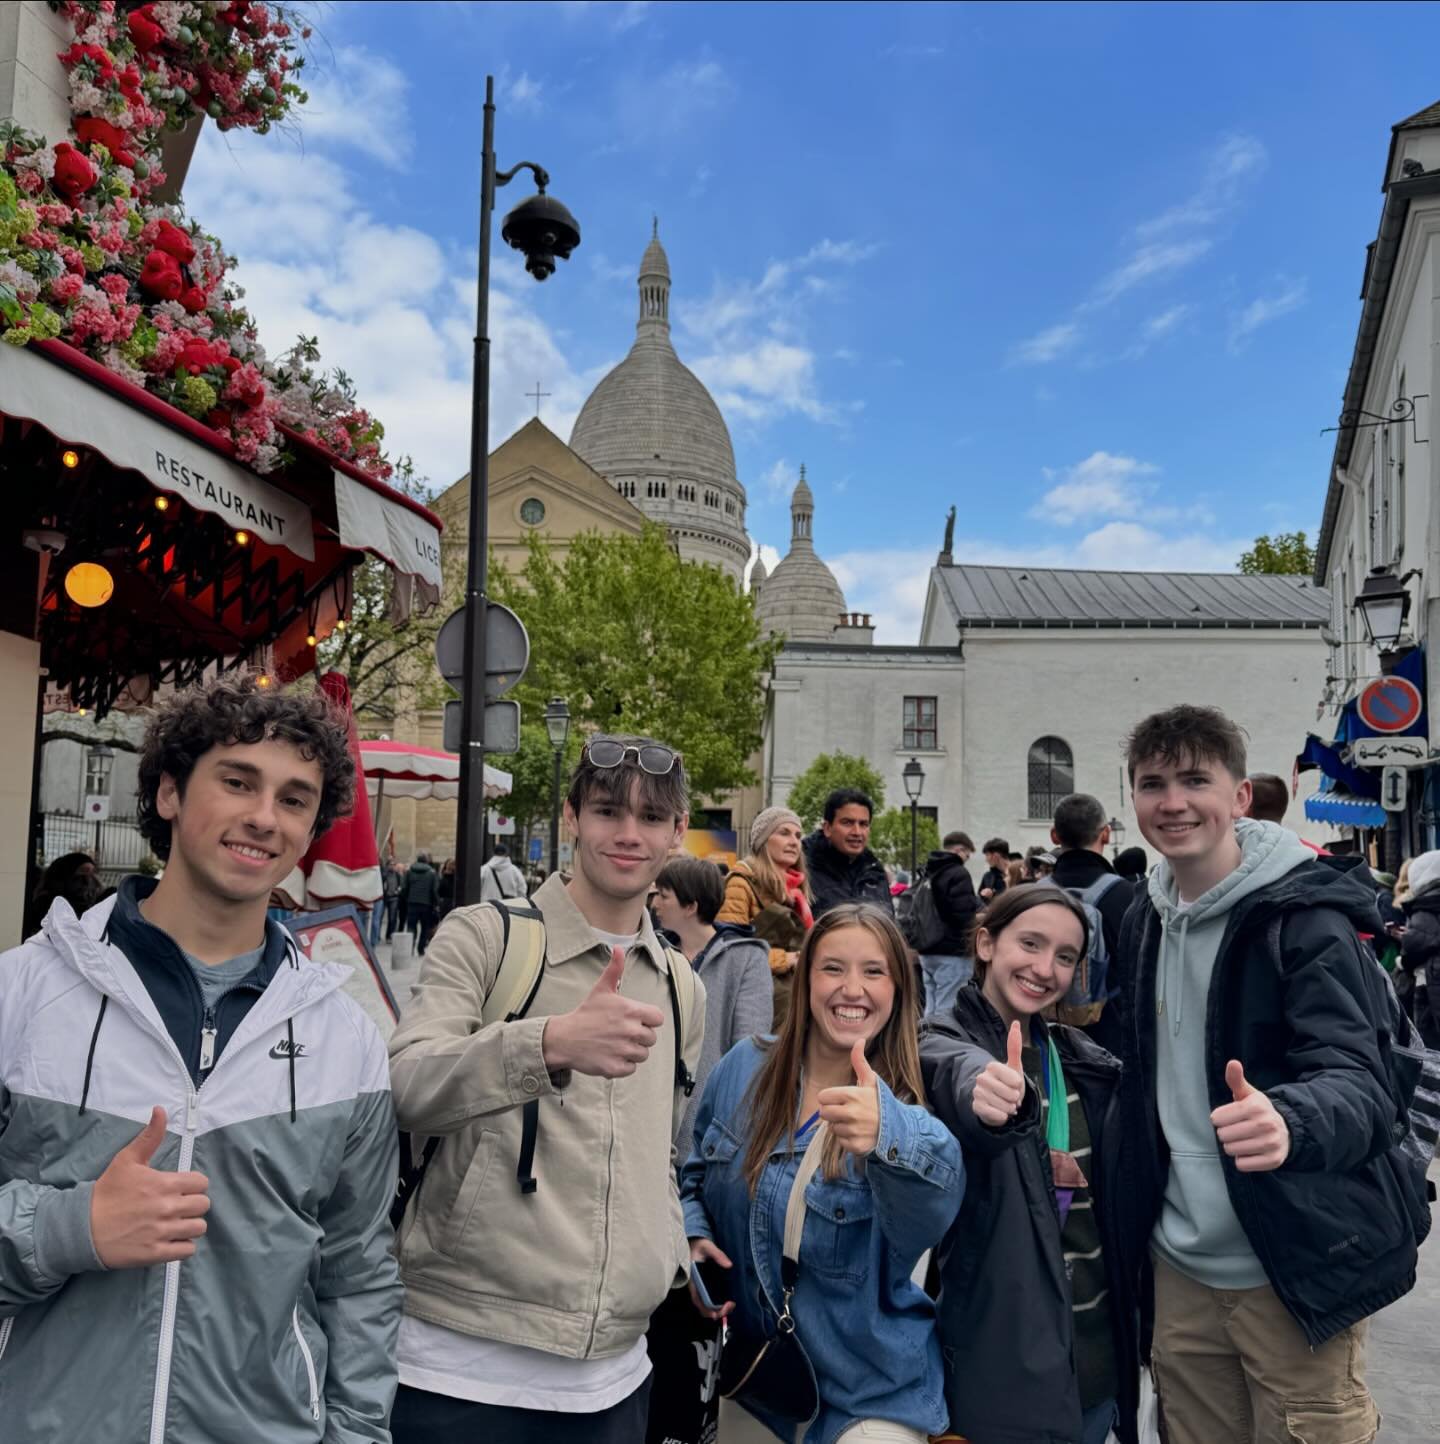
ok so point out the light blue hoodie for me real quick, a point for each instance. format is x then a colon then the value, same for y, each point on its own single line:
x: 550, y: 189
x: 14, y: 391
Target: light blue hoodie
x: 1198, y: 1232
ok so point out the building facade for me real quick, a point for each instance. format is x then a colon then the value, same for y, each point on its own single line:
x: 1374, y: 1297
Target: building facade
x: 1381, y: 523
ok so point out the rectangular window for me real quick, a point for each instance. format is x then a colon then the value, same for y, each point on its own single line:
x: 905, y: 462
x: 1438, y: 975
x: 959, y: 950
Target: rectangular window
x: 919, y: 724
x: 98, y: 764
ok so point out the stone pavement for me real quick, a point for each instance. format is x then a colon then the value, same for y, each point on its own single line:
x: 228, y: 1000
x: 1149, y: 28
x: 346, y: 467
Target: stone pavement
x: 1404, y: 1353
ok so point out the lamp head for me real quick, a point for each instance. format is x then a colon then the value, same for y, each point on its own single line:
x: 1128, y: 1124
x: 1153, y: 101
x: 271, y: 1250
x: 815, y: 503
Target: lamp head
x: 543, y: 229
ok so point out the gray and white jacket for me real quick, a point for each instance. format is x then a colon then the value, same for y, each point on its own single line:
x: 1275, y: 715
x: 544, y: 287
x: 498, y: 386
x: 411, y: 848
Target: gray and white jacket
x: 282, y: 1326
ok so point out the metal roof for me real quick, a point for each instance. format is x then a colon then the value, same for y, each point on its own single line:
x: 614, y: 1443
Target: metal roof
x: 981, y: 596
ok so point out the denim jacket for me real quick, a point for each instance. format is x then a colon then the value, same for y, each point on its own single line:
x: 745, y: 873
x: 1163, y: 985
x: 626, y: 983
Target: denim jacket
x: 869, y: 1331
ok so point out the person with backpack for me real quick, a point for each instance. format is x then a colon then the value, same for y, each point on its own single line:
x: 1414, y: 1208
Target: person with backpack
x: 1037, y: 1322
x: 197, y: 1147
x: 422, y: 901
x: 816, y: 1180
x: 1081, y: 832
x: 500, y: 878
x: 1266, y: 1187
x: 546, y: 1227
x: 939, y: 921
x: 768, y: 891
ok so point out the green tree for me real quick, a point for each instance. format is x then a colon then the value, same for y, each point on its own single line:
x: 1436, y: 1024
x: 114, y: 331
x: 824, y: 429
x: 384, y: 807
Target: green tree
x: 1287, y: 553
x: 831, y: 770
x: 890, y: 837
x: 636, y: 640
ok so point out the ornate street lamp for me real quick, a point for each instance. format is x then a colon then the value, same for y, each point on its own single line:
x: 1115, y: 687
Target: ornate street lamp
x: 543, y: 229
x: 1384, y: 606
x: 1117, y: 834
x: 913, y: 775
x: 557, y: 724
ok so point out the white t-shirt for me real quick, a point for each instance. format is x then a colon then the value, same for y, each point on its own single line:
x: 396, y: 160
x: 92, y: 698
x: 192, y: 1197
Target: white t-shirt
x: 485, y: 1371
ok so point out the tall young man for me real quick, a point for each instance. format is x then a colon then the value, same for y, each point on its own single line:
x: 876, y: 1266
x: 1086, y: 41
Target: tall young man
x: 529, y: 1288
x: 1263, y: 1169
x: 838, y: 859
x: 197, y: 1146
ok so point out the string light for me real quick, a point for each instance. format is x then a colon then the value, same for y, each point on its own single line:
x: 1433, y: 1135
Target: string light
x: 310, y: 639
x: 263, y: 680
x: 242, y: 538
x: 162, y: 503
x: 69, y: 459
x: 341, y: 625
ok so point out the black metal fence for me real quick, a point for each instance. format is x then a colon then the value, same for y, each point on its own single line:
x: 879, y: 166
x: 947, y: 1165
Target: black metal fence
x: 115, y: 844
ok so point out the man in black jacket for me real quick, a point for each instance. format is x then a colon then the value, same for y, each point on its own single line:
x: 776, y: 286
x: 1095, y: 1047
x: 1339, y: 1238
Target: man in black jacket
x: 947, y: 967
x: 1081, y: 833
x: 1261, y: 1161
x: 838, y: 859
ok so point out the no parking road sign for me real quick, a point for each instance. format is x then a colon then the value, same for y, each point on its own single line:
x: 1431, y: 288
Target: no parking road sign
x: 1390, y: 704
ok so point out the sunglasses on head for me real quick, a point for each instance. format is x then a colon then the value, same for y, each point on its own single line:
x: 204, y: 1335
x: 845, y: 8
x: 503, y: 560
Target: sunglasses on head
x: 652, y: 757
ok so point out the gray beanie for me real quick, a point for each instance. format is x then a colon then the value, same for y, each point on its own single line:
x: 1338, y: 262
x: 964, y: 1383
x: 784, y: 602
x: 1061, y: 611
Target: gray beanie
x: 1424, y: 872
x: 766, y: 822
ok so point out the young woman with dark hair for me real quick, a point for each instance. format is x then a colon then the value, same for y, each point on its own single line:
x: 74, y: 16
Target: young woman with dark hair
x: 837, y: 1095
x: 1036, y: 1324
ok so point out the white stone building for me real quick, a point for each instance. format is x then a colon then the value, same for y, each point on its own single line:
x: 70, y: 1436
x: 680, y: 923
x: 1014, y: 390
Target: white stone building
x: 1380, y: 514
x: 653, y: 431
x: 1025, y: 681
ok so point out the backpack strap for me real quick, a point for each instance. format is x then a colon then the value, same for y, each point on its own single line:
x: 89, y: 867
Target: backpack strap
x: 682, y: 1007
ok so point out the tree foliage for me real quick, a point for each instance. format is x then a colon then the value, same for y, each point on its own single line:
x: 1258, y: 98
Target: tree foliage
x: 636, y: 640
x: 831, y: 770
x: 1287, y: 553
x: 890, y: 837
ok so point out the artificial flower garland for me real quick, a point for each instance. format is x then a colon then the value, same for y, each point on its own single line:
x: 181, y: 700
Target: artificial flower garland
x: 87, y: 258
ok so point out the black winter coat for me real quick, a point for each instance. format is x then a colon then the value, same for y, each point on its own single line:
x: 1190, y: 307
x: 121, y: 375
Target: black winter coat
x: 836, y: 877
x: 955, y: 901
x: 1006, y: 1326
x: 1420, y: 947
x: 1297, y: 999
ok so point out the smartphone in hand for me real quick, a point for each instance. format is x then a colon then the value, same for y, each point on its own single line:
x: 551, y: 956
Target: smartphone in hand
x: 711, y: 1283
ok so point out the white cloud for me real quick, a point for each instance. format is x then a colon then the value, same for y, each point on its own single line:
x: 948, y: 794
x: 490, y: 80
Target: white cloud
x: 700, y: 184
x: 1048, y: 346
x: 390, y: 304
x: 1156, y: 328
x: 1235, y: 159
x: 778, y: 480
x: 1288, y: 296
x: 1147, y: 262
x: 524, y: 93
x: 1101, y: 485
x: 357, y: 103
x: 902, y: 51
x: 889, y: 584
x: 628, y: 15
x: 764, y: 380
x: 656, y: 107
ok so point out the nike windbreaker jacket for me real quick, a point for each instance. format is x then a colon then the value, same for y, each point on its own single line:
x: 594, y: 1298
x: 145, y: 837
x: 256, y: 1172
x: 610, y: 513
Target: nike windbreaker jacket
x: 282, y: 1326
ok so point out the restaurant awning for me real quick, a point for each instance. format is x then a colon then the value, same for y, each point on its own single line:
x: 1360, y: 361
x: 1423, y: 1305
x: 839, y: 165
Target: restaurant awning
x: 1333, y: 804
x: 210, y: 562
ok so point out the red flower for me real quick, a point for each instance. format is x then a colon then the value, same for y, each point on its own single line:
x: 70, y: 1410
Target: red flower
x: 145, y: 34
x: 193, y: 299
x: 74, y: 173
x: 160, y: 277
x: 97, y: 55
x: 91, y: 130
x: 175, y: 242
x: 197, y: 355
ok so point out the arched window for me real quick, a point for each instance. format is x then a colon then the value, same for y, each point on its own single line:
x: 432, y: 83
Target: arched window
x: 1051, y: 769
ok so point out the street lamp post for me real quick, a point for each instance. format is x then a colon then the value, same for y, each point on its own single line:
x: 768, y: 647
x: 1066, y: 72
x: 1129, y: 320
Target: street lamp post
x: 1117, y: 835
x: 557, y: 724
x: 1384, y: 607
x: 913, y: 776
x: 543, y: 229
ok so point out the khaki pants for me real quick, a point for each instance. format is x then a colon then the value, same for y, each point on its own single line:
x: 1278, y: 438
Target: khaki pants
x: 1232, y: 1365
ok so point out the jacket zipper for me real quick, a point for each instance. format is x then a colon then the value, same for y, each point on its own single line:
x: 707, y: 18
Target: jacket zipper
x: 6, y: 1328
x: 309, y: 1363
x: 207, y: 1041
x: 161, y: 1402
x: 609, y: 1188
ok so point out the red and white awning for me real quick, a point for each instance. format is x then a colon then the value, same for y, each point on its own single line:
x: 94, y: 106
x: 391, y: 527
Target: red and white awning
x: 78, y: 400
x: 398, y: 769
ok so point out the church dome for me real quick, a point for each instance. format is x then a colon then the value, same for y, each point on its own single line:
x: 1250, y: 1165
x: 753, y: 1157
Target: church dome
x: 652, y: 414
x: 653, y: 431
x: 801, y: 599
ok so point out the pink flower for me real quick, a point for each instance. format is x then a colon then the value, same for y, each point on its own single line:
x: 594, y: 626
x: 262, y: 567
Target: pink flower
x: 116, y: 287
x: 65, y: 288
x: 74, y: 261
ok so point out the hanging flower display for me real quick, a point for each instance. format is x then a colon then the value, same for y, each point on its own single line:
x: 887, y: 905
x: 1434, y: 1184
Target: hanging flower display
x: 89, y: 258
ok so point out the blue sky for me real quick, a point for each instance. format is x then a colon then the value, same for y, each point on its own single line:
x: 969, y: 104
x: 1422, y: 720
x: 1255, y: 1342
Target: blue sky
x: 1087, y: 272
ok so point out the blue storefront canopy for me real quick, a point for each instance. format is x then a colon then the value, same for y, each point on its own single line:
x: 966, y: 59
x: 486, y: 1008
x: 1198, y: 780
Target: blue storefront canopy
x: 1335, y: 805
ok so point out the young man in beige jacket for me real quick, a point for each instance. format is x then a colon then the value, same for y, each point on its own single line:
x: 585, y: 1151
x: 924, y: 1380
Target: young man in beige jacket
x: 530, y: 1277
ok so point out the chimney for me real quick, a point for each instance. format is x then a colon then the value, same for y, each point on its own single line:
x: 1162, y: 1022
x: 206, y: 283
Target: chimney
x: 854, y: 629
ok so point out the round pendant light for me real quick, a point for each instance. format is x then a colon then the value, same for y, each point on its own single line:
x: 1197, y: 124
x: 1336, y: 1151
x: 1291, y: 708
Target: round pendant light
x: 88, y: 584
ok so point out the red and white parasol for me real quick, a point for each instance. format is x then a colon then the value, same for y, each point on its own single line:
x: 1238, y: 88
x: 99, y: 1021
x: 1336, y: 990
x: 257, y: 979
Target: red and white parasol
x: 400, y: 769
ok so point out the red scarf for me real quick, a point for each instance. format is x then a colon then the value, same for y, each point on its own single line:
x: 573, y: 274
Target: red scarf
x: 795, y: 889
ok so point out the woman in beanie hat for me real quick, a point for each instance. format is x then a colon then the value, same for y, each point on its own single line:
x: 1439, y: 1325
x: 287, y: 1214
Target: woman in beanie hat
x: 769, y: 891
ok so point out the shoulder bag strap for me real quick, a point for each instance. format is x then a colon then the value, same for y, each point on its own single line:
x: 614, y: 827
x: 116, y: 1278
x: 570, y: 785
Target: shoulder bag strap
x: 795, y: 1225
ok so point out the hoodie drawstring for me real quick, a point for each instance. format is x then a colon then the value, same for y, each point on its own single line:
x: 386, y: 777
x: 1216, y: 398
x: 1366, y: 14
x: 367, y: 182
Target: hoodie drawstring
x: 90, y: 1056
x: 290, y: 1038
x: 1164, y: 989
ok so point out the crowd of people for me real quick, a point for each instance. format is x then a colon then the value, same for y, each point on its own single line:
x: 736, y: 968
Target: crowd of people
x: 666, y: 1153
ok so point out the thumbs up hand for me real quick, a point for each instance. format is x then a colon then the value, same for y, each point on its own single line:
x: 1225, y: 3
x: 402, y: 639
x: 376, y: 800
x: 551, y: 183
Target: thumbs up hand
x: 141, y: 1215
x: 607, y: 1036
x: 854, y: 1113
x: 1000, y: 1089
x: 1250, y: 1128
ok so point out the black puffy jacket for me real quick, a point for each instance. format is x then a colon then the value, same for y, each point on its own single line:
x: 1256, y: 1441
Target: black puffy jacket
x: 836, y: 877
x: 1006, y: 1326
x: 955, y: 901
x: 1298, y: 1000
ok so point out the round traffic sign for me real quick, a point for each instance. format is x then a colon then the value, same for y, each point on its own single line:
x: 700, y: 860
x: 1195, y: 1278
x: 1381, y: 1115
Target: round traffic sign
x: 1390, y: 704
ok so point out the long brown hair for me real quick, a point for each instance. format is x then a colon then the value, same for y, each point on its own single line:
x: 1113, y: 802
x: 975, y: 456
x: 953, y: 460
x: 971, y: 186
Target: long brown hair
x: 894, y: 1054
x: 771, y: 881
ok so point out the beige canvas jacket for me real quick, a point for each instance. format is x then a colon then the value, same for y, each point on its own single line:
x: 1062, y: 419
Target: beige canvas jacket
x: 577, y: 1267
